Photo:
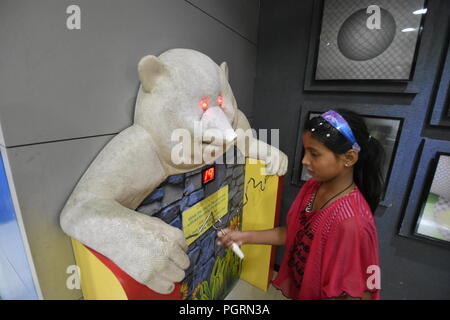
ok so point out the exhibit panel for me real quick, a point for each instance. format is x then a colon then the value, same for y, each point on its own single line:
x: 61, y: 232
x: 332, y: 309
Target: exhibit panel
x: 201, y: 203
x: 120, y: 196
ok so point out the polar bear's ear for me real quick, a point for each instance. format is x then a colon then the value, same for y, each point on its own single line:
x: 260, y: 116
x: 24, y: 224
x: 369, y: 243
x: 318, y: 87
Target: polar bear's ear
x: 224, y: 67
x: 150, y: 68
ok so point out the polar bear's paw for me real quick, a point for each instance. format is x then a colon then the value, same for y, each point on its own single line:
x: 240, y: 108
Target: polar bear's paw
x: 276, y: 163
x: 159, y: 258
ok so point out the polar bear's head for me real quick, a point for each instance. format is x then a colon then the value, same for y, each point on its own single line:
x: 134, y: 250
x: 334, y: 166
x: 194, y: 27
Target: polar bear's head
x: 185, y: 89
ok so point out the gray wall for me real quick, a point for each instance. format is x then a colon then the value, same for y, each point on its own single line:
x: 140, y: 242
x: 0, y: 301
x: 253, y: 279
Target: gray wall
x: 66, y: 93
x: 410, y: 268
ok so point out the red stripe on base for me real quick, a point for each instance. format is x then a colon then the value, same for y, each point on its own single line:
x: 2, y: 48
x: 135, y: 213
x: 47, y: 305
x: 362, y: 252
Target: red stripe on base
x: 133, y: 289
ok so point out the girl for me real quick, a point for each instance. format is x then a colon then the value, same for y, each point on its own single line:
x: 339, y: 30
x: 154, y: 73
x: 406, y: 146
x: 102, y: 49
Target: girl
x: 331, y: 241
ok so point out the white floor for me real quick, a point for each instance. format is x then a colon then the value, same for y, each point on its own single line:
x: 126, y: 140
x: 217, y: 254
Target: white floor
x: 245, y: 291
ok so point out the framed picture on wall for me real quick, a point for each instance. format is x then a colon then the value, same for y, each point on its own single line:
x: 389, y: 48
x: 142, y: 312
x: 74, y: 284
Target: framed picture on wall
x: 440, y: 115
x: 385, y: 130
x: 368, y: 40
x: 433, y: 220
x: 365, y: 45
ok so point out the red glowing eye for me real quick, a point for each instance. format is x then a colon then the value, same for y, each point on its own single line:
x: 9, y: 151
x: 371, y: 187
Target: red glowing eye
x: 220, y: 100
x: 204, y: 103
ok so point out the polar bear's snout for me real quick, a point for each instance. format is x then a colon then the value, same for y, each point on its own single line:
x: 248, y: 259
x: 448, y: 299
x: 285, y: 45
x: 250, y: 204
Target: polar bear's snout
x: 216, y: 128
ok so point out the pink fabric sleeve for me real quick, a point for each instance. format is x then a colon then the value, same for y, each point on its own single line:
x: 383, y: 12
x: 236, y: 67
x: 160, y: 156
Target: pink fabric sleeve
x: 351, y: 248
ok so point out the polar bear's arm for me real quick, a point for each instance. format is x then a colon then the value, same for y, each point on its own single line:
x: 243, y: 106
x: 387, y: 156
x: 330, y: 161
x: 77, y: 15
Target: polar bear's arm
x: 126, y: 170
x: 100, y: 212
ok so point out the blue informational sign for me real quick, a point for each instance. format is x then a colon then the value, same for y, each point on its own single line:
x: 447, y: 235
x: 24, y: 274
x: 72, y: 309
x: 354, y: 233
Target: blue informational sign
x: 16, y: 281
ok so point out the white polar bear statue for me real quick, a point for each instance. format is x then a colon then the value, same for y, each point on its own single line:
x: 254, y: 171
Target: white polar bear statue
x: 100, y: 212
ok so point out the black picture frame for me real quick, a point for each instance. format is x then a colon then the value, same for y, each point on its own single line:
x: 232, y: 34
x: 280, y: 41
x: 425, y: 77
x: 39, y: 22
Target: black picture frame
x: 419, y: 183
x: 440, y: 115
x: 426, y: 226
x: 298, y: 172
x: 408, y: 86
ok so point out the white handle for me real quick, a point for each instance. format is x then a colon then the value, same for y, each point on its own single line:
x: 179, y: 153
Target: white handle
x: 237, y: 250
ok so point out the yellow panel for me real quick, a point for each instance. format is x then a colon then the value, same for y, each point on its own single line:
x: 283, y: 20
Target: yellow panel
x: 97, y: 281
x: 197, y: 219
x: 258, y: 214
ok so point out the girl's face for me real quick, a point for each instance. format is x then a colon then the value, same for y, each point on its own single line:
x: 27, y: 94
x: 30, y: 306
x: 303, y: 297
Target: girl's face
x: 321, y: 163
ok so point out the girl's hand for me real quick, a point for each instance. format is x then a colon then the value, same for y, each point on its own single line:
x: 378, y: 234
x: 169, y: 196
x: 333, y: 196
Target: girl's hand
x: 229, y: 236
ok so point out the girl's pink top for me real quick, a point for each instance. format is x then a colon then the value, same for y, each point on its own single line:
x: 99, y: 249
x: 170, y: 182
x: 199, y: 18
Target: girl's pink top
x: 329, y: 252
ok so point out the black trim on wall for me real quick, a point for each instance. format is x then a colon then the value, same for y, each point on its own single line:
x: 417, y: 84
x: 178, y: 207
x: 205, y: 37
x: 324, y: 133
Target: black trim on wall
x: 221, y: 22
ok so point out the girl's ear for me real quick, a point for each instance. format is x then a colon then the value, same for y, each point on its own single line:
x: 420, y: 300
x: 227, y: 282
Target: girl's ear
x: 350, y: 158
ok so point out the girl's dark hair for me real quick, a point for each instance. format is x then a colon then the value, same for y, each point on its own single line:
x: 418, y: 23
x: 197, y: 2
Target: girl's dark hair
x: 367, y: 170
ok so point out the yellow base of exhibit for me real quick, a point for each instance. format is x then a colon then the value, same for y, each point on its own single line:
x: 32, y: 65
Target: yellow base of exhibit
x: 98, y: 282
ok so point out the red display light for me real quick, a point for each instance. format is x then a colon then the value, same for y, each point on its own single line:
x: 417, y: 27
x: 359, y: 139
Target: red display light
x: 208, y: 175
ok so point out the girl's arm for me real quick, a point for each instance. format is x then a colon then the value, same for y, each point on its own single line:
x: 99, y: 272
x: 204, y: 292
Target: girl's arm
x: 276, y: 237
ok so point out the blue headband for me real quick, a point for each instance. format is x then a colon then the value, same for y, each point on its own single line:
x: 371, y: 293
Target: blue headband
x: 337, y: 121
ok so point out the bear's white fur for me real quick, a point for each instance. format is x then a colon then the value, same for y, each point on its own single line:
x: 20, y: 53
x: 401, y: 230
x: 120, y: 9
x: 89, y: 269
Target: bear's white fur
x: 101, y: 214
